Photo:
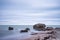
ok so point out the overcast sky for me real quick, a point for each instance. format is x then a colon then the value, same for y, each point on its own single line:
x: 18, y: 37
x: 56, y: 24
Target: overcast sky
x: 28, y: 12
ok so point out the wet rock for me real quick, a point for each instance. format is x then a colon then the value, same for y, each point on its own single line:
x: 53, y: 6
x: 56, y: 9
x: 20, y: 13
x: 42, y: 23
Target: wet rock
x: 49, y: 28
x: 52, y: 32
x: 39, y: 26
x: 10, y: 28
x: 57, y: 28
x: 23, y: 31
x: 27, y: 29
x: 45, y: 38
x: 33, y: 33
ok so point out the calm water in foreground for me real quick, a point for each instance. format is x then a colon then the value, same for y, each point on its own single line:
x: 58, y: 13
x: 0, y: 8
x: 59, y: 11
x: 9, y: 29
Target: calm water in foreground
x: 5, y: 33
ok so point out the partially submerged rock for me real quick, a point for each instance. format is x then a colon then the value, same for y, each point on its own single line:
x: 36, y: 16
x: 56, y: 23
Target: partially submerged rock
x: 26, y: 30
x: 10, y: 28
x: 39, y: 26
x: 23, y: 31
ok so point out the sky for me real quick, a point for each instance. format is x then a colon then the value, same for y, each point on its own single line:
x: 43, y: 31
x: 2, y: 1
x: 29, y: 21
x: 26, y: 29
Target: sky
x: 29, y: 12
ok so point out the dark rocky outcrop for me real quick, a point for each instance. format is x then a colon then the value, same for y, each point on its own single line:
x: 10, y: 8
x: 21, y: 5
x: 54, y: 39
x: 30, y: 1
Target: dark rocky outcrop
x: 26, y: 30
x: 45, y: 38
x: 39, y: 27
x: 10, y: 28
x: 23, y: 31
x: 49, y: 28
x: 57, y: 28
x: 52, y: 32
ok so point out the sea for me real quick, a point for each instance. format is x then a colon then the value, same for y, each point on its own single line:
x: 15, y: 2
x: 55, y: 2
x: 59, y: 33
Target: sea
x: 15, y: 34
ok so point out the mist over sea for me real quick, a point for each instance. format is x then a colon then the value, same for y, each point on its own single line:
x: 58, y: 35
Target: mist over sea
x: 5, y: 34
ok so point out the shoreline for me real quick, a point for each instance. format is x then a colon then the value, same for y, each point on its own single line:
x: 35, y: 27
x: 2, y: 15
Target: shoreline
x: 40, y: 35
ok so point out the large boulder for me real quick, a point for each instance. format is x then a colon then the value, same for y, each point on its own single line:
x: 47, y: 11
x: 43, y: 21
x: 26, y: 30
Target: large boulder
x: 39, y: 26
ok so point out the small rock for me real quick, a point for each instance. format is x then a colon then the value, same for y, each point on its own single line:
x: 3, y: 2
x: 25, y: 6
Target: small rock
x: 23, y: 31
x: 10, y: 28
